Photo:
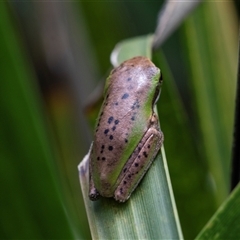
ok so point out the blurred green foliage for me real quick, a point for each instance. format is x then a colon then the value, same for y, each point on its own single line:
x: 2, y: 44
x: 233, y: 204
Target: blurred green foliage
x: 52, y: 54
x: 31, y: 205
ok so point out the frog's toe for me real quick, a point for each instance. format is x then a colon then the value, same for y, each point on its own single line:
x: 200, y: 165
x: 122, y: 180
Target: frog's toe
x: 120, y: 195
x: 94, y: 194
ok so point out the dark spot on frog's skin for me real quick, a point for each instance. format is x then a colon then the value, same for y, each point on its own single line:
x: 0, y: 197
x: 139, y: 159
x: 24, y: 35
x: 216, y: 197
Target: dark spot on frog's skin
x: 98, y: 158
x: 110, y: 148
x: 101, y: 151
x: 148, y: 146
x: 101, y: 114
x: 132, y: 65
x: 132, y: 118
x: 129, y: 175
x: 121, y: 190
x: 135, y: 105
x: 116, y: 122
x: 97, y: 130
x: 124, y: 182
x: 125, y: 169
x: 103, y: 158
x: 139, y: 156
x: 145, y: 154
x: 103, y: 146
x: 98, y: 124
x: 130, y: 88
x: 129, y: 79
x: 116, y: 103
x: 126, y: 140
x: 107, y: 96
x: 139, y: 148
x: 111, y: 137
x: 110, y: 119
x: 106, y: 131
x: 136, y: 164
x: 125, y: 95
x: 136, y: 172
x: 113, y: 128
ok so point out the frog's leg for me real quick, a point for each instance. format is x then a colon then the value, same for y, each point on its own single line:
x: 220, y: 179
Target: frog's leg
x: 93, y: 192
x: 149, y: 147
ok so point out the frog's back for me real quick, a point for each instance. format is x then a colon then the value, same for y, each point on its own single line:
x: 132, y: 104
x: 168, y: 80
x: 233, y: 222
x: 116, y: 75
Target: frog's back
x: 123, y: 119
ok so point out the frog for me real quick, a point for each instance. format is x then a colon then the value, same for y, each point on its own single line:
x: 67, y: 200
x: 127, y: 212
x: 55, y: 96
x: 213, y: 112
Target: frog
x: 127, y: 135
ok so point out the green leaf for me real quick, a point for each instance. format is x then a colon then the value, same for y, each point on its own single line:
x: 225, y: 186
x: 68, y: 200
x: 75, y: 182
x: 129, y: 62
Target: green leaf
x: 30, y: 200
x: 212, y: 55
x: 225, y: 222
x: 138, y: 46
x: 150, y: 212
x: 170, y: 17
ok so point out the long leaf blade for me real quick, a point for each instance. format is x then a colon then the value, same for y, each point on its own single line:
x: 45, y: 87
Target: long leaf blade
x: 225, y: 222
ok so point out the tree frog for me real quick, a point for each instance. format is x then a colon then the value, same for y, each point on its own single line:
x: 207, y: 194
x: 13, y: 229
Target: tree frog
x: 127, y: 135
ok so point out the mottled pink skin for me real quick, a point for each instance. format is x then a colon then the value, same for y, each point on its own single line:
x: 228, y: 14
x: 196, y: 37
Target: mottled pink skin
x: 126, y: 118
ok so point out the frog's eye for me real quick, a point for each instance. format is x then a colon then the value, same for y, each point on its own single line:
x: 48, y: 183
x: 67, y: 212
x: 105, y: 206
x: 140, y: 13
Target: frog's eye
x: 157, y: 91
x: 156, y: 94
x: 161, y: 78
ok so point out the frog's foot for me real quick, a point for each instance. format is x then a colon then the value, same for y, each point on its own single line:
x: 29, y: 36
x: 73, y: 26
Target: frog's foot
x: 94, y: 194
x: 153, y: 140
